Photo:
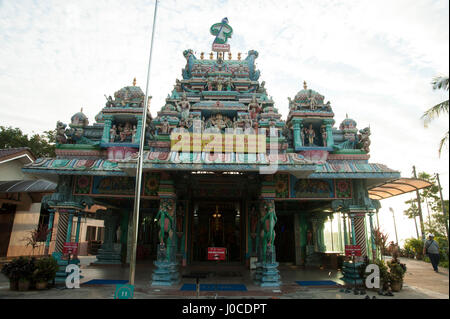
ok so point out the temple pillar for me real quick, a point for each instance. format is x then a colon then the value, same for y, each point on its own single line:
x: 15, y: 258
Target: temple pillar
x: 61, y: 230
x: 359, y: 232
x: 106, y: 128
x: 137, y: 137
x: 352, y: 228
x: 50, y: 231
x: 77, y: 234
x: 109, y: 253
x: 329, y: 129
x: 69, y: 227
x: 166, y: 272
x: 124, y: 235
x: 346, y: 242
x: 297, y: 126
x: 267, y: 274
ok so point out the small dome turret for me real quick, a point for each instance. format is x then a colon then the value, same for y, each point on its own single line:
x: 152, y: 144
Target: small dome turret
x: 348, y: 124
x: 79, y: 119
x: 305, y: 95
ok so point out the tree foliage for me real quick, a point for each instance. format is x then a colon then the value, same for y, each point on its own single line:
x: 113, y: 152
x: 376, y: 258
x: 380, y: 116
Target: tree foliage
x: 42, y: 145
x: 439, y: 83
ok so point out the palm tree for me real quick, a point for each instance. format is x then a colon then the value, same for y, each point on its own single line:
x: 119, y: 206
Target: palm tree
x: 441, y: 83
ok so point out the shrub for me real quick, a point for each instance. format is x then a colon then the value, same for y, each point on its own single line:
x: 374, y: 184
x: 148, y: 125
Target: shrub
x: 415, y: 246
x: 46, y: 269
x: 396, y: 271
x: 21, y: 268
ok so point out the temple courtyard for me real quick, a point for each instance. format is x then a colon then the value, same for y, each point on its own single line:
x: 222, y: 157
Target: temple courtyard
x: 421, y: 282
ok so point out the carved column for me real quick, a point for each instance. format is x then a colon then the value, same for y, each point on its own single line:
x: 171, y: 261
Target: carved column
x: 329, y: 129
x: 138, y: 129
x: 297, y: 126
x: 318, y: 233
x: 346, y: 242
x: 108, y: 254
x: 69, y: 227
x: 77, y: 235
x: 352, y: 221
x: 267, y: 274
x: 106, y: 128
x: 314, y: 227
x: 50, y: 230
x: 166, y: 272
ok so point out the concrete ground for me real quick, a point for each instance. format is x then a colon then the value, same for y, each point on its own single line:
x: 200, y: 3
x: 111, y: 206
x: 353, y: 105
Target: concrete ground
x: 421, y: 282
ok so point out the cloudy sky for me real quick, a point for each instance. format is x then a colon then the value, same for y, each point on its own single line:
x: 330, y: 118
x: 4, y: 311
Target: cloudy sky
x: 374, y: 60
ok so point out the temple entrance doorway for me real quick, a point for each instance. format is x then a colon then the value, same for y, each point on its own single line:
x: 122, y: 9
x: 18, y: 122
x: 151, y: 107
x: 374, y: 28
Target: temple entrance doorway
x: 285, y: 238
x: 217, y: 224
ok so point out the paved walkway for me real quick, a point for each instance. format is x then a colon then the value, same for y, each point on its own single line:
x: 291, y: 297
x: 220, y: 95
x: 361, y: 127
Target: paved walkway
x: 420, y: 276
x: 421, y: 282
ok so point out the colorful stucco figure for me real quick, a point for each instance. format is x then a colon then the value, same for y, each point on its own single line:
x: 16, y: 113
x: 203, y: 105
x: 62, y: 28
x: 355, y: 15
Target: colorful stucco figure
x: 268, y: 221
x: 165, y: 218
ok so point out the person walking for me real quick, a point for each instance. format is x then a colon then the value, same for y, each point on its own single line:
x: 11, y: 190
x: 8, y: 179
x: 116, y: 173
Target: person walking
x: 431, y: 248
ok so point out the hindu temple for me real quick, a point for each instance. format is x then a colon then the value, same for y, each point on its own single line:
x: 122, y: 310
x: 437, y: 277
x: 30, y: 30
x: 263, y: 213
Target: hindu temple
x: 221, y: 168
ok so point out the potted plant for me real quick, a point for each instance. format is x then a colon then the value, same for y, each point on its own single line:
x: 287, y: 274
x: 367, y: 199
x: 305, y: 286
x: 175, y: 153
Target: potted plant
x: 397, y: 271
x: 10, y: 270
x: 384, y: 274
x: 45, y: 271
x: 26, y: 269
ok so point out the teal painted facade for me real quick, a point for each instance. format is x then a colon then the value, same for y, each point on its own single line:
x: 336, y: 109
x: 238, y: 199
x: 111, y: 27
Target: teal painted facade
x: 327, y: 169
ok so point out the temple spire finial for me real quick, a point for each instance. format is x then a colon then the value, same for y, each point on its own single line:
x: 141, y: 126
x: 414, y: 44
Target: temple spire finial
x: 134, y: 82
x: 304, y: 85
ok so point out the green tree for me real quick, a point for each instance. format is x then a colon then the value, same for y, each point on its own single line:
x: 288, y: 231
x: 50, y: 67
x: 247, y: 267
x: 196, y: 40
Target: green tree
x: 42, y: 145
x: 412, y: 212
x: 439, y: 83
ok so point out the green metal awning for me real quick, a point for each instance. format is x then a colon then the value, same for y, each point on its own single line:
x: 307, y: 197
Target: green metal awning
x: 396, y: 187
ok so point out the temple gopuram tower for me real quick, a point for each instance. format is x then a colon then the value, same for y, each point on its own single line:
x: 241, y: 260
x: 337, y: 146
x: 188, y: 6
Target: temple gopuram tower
x: 224, y: 176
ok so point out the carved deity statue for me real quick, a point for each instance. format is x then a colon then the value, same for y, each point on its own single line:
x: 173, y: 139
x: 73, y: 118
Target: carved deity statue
x: 220, y: 83
x: 262, y: 89
x: 268, y: 221
x: 125, y: 131
x: 209, y: 84
x: 165, y: 218
x: 183, y: 107
x: 109, y: 101
x: 165, y: 126
x: 364, y: 140
x: 229, y: 84
x: 312, y: 103
x: 60, y: 130
x: 311, y: 135
x: 303, y: 134
x: 254, y: 108
x: 133, y: 135
x: 324, y: 135
x: 218, y: 121
x: 112, y: 134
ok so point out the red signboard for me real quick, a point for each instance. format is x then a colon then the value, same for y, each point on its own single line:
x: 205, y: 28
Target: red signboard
x: 216, y: 253
x: 70, y: 248
x: 352, y: 250
x: 217, y: 47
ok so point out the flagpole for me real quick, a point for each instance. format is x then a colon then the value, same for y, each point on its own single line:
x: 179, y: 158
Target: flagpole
x: 137, y: 193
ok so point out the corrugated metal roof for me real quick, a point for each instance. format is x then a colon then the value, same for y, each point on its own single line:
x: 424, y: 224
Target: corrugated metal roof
x: 9, y: 151
x: 396, y: 187
x: 27, y: 186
